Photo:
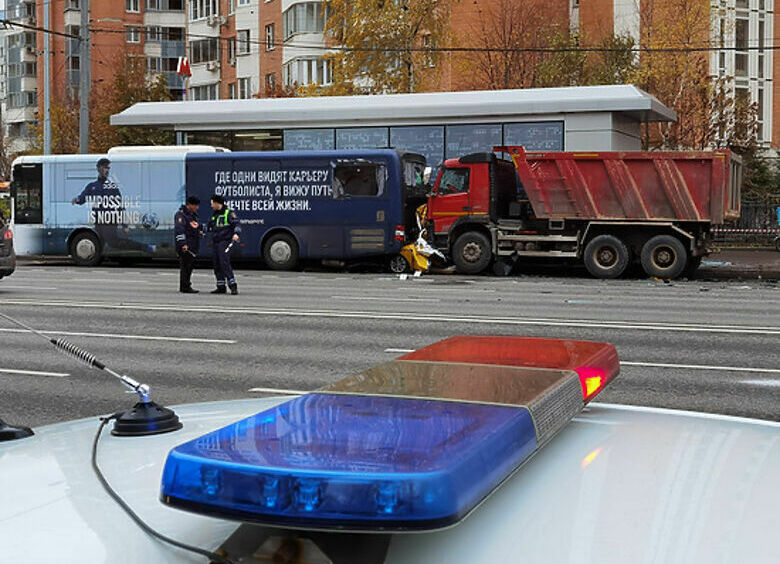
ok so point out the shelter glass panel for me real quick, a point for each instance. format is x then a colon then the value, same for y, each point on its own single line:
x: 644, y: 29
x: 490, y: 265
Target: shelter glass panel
x: 362, y: 138
x: 425, y: 140
x: 309, y: 139
x: 466, y: 139
x: 538, y: 136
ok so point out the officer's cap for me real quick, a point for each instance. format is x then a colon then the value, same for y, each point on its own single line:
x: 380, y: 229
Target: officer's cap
x: 193, y: 200
x: 217, y: 198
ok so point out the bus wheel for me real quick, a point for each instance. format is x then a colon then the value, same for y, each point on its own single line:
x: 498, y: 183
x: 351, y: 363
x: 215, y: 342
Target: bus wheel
x: 664, y: 256
x: 471, y: 252
x: 606, y: 256
x: 281, y: 252
x: 398, y: 264
x: 85, y: 249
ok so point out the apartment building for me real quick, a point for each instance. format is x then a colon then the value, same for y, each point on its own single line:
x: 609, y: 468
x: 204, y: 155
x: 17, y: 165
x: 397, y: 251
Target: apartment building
x: 18, y: 67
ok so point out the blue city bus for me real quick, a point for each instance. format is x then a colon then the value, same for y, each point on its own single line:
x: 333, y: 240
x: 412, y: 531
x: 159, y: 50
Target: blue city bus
x: 292, y: 205
x: 296, y: 205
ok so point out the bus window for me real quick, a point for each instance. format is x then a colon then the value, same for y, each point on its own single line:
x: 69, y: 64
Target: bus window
x: 358, y: 179
x: 26, y: 190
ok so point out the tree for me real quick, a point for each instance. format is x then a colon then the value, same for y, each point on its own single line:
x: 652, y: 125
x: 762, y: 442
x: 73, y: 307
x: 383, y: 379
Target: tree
x: 501, y: 31
x: 6, y: 158
x: 383, y: 43
x: 131, y: 84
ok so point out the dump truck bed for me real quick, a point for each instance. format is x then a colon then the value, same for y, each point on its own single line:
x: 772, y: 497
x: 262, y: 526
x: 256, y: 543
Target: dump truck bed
x: 695, y: 186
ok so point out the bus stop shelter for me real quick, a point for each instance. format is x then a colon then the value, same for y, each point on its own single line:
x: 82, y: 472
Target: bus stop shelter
x: 438, y: 124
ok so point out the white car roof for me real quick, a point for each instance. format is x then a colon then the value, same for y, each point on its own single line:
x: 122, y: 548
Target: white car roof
x: 618, y: 484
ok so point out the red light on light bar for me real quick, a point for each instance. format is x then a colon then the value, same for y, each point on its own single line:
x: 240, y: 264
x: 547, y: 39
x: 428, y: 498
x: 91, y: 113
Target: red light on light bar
x: 592, y: 381
x: 596, y: 364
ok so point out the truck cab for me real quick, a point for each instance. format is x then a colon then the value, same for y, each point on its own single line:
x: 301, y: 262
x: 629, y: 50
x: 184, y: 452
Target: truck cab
x: 471, y: 194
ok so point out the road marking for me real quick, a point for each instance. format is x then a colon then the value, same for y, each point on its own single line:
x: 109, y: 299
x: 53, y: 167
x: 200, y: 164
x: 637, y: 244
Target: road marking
x: 768, y: 382
x: 412, y: 316
x: 666, y: 365
x: 702, y: 367
x: 33, y: 372
x: 130, y: 337
x: 368, y: 298
x: 27, y: 287
x: 279, y: 391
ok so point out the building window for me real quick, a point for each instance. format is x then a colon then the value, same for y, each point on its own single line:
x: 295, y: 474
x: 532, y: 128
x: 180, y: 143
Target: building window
x: 243, y: 2
x: 154, y: 33
x: 270, y: 81
x: 205, y: 92
x: 244, y: 88
x: 132, y: 6
x: 269, y: 37
x: 72, y: 4
x: 154, y: 65
x: 200, y: 9
x: 231, y: 6
x: 307, y: 70
x: 242, y: 38
x: 741, y: 39
x: 231, y: 45
x: 165, y: 5
x: 232, y: 90
x: 133, y: 34
x: 204, y: 50
x: 429, y: 59
x: 304, y: 18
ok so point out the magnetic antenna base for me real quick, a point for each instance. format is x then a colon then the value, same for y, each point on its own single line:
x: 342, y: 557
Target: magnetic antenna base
x: 11, y: 433
x: 146, y: 418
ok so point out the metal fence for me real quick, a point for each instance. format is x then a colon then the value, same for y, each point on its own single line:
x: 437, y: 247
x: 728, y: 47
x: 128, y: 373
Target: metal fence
x: 759, y: 223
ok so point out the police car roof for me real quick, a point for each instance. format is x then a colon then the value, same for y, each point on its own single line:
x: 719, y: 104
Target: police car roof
x: 618, y: 484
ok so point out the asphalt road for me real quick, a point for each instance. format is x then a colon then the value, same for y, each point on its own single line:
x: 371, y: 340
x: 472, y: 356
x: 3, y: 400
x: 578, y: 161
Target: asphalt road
x: 698, y: 345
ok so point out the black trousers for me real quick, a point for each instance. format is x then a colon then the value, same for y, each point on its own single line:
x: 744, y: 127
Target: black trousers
x: 222, y: 269
x: 186, y: 264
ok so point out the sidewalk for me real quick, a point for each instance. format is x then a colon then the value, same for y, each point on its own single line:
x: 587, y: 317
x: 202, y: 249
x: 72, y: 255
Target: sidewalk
x: 738, y: 263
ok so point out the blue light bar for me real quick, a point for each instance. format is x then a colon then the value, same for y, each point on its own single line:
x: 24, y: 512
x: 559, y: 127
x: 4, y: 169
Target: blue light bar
x: 349, y: 462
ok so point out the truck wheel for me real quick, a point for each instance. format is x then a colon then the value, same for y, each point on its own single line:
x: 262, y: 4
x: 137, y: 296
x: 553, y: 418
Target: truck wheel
x: 281, y: 252
x: 398, y: 264
x: 471, y: 253
x: 664, y: 256
x: 86, y: 250
x: 606, y: 256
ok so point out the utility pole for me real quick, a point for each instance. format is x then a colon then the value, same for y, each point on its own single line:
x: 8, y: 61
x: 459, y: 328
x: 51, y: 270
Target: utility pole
x: 46, y: 83
x: 85, y: 79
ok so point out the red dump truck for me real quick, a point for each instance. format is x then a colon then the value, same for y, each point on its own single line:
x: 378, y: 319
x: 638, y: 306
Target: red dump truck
x: 606, y: 209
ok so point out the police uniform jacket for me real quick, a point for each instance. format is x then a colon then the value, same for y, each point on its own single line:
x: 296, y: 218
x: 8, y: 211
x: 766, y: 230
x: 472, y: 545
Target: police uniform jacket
x: 185, y: 233
x: 224, y: 224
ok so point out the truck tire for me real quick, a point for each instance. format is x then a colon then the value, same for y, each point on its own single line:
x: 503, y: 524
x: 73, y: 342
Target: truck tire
x: 281, y: 252
x: 606, y: 256
x: 86, y: 250
x: 471, y: 252
x: 664, y: 256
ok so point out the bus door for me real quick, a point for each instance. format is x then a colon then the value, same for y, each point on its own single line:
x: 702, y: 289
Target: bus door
x: 27, y: 194
x: 366, y: 210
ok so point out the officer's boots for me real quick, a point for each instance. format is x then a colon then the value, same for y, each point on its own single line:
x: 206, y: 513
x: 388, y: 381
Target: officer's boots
x: 234, y: 289
x: 220, y: 290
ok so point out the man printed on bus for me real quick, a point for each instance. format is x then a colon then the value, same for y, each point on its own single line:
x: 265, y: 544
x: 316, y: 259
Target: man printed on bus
x: 224, y: 225
x: 106, y: 200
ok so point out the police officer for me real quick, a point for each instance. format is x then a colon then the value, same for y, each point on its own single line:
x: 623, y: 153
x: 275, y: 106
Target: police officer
x: 224, y: 225
x: 188, y: 233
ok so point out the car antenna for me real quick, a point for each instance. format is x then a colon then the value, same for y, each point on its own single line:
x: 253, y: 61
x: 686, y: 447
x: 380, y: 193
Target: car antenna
x: 145, y: 418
